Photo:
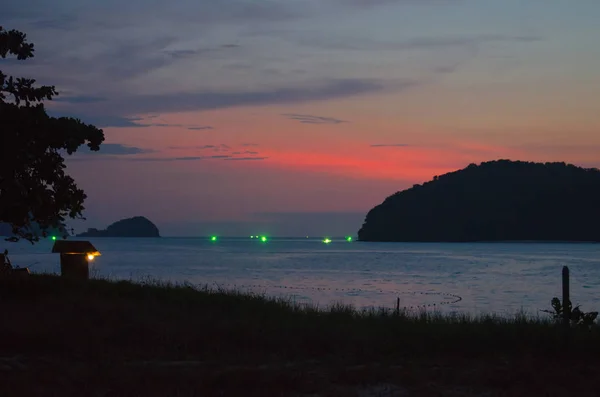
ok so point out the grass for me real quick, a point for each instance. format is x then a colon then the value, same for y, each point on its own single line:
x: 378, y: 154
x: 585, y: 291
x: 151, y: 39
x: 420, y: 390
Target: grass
x: 122, y: 337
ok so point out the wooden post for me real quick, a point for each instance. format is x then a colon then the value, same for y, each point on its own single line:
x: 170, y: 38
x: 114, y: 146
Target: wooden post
x: 398, y: 306
x: 566, y: 301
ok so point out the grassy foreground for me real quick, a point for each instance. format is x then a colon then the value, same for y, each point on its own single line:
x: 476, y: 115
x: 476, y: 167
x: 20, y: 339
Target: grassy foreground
x: 107, y: 338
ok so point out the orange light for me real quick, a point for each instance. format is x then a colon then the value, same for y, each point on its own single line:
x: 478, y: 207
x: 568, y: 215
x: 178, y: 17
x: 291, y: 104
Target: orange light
x: 90, y: 257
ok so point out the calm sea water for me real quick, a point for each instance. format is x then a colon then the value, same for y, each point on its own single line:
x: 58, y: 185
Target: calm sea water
x: 497, y: 277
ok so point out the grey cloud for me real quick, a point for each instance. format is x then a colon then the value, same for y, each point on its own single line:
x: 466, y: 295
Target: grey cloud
x: 209, y: 100
x: 229, y: 154
x: 104, y: 121
x: 246, y: 158
x: 79, y: 99
x: 204, y: 127
x: 112, y: 12
x: 188, y: 158
x: 108, y: 150
x: 188, y: 53
x: 101, y: 121
x: 249, y: 144
x: 418, y: 43
x: 378, y: 3
x: 168, y: 159
x: 118, y: 149
x: 191, y: 158
x: 199, y: 147
x: 390, y: 145
x: 445, y: 69
x: 310, y: 119
x: 222, y: 147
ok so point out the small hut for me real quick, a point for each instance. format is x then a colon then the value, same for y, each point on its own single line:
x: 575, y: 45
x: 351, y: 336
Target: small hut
x: 75, y: 257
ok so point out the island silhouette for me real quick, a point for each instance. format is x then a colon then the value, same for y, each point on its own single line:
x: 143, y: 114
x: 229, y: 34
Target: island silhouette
x: 499, y: 200
x: 138, y: 226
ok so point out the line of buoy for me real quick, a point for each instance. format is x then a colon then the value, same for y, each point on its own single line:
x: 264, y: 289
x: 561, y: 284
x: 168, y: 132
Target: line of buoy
x: 453, y: 297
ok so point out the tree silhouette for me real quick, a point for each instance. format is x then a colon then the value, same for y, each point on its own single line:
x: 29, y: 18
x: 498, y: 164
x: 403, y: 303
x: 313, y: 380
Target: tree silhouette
x: 35, y: 192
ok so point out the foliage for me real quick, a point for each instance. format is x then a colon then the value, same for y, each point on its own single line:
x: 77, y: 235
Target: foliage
x: 495, y: 201
x: 109, y: 338
x: 35, y: 192
x: 577, y: 318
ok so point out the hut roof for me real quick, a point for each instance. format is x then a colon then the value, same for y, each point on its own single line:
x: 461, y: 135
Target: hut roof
x: 74, y: 247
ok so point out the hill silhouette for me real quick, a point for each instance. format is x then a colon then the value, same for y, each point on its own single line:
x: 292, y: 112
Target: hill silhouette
x: 498, y: 200
x: 137, y: 226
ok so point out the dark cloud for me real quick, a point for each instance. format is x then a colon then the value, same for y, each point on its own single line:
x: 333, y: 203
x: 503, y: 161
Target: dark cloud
x: 201, y: 147
x: 168, y: 159
x: 189, y: 158
x: 249, y: 144
x: 79, y: 99
x: 108, y: 150
x: 417, y: 43
x: 216, y: 148
x: 210, y: 100
x: 379, y: 3
x: 111, y: 12
x: 192, y: 158
x: 229, y: 153
x: 204, y: 127
x: 118, y: 149
x: 310, y: 119
x: 189, y: 53
x: 246, y: 158
x: 101, y: 121
x: 390, y: 145
x: 115, y: 112
x: 445, y: 69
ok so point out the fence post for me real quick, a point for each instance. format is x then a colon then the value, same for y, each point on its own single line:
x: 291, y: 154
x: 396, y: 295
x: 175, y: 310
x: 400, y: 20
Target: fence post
x: 566, y: 301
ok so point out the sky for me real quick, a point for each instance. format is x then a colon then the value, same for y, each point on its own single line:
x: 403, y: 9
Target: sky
x: 295, y: 117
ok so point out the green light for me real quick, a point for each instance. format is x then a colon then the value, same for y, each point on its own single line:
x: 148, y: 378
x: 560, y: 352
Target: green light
x: 263, y: 239
x: 327, y: 240
x: 213, y: 238
x: 348, y: 238
x: 53, y: 238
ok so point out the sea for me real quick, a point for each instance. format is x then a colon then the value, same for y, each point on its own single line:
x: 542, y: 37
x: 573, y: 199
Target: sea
x: 501, y: 278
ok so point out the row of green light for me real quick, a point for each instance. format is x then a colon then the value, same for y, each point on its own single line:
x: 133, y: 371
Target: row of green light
x: 327, y: 240
x: 264, y: 239
x: 261, y: 238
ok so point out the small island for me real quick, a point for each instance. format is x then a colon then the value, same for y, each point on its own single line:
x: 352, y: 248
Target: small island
x: 498, y: 200
x: 137, y: 226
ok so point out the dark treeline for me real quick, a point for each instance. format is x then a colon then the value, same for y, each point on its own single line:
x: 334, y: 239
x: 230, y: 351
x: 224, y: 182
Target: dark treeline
x: 495, y: 201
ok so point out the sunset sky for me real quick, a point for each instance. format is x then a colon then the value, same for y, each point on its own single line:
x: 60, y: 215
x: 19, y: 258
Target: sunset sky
x: 295, y: 117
